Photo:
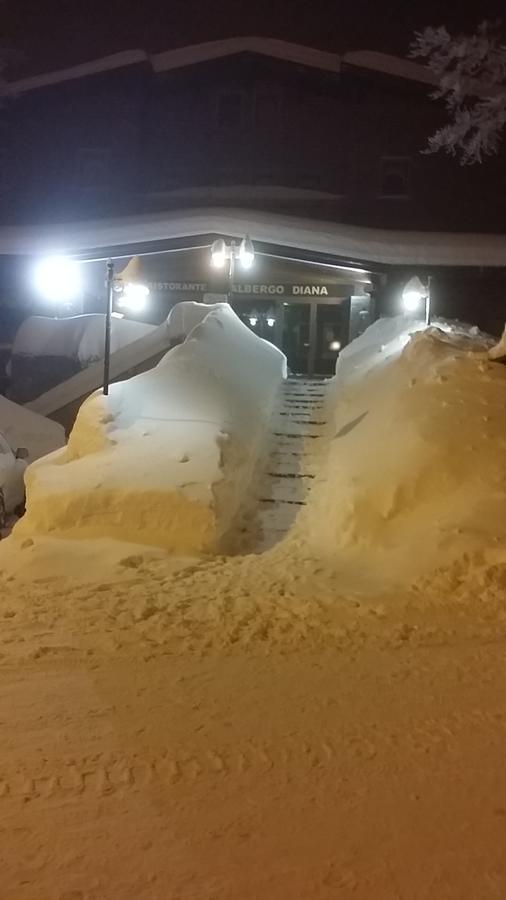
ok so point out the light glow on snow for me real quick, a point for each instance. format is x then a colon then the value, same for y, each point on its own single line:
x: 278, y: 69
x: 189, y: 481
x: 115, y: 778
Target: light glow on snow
x: 58, y: 279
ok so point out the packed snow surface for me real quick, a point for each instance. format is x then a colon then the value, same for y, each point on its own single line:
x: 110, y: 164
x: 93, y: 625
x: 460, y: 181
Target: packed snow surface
x: 293, y: 723
x: 168, y: 458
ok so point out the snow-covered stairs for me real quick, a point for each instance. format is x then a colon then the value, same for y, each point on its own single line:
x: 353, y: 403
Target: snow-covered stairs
x: 296, y: 429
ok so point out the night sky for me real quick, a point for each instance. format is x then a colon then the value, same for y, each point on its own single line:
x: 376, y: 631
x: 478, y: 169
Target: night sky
x: 50, y: 34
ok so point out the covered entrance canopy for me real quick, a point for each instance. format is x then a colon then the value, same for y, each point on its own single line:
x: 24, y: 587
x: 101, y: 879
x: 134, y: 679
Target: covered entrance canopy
x: 317, y: 239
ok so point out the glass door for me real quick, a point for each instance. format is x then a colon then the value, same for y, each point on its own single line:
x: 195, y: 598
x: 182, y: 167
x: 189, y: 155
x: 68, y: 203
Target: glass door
x: 295, y: 340
x: 331, y: 335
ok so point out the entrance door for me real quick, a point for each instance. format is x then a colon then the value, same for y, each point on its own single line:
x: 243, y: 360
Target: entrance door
x: 313, y: 334
x: 332, y: 325
x: 295, y: 337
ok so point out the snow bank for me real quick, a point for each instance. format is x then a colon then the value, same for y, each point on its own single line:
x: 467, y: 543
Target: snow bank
x: 23, y: 428
x: 383, y: 339
x: 168, y: 458
x: 499, y: 351
x: 74, y: 337
x: 416, y: 463
x: 125, y: 359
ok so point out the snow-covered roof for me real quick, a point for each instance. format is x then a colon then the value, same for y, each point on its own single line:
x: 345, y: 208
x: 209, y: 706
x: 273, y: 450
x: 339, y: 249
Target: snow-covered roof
x: 295, y: 53
x: 389, y: 65
x: 94, y: 67
x: 198, y: 53
x: 343, y: 242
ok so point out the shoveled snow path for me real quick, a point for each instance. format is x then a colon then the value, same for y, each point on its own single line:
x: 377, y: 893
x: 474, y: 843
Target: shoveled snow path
x: 297, y: 428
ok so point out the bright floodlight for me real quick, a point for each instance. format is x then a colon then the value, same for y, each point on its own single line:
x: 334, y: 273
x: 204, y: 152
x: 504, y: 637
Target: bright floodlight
x: 58, y: 279
x: 253, y: 320
x: 134, y: 297
x: 271, y: 321
x: 246, y: 253
x: 218, y: 253
x: 413, y: 294
x: 335, y: 346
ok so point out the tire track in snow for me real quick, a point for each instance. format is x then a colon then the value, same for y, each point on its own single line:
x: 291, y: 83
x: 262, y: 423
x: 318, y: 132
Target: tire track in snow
x: 120, y: 773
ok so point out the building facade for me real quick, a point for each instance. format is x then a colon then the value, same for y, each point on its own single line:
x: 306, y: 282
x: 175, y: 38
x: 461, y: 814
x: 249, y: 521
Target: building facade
x: 259, y: 125
x: 243, y: 121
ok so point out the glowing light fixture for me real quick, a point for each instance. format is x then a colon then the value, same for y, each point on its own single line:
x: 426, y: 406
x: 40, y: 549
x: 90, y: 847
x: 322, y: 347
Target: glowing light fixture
x: 128, y: 284
x: 253, y: 320
x: 414, y: 294
x: 335, y: 345
x: 58, y: 279
x: 219, y: 253
x: 246, y: 253
x: 134, y: 297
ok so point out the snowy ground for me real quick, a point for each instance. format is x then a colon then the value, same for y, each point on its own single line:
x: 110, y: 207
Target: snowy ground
x: 311, y: 721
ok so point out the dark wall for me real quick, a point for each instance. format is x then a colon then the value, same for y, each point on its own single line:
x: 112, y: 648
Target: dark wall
x: 72, y: 150
x: 124, y: 141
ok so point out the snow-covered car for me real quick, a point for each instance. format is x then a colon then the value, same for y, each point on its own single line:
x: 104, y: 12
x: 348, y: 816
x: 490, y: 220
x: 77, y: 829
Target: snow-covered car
x: 12, y: 486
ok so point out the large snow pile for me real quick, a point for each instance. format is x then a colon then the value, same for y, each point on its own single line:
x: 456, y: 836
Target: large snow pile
x: 24, y: 428
x: 416, y: 463
x: 168, y: 458
x: 75, y: 337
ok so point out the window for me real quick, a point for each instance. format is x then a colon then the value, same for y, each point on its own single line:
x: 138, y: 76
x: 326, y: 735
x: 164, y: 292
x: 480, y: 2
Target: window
x: 395, y: 177
x: 92, y: 167
x: 230, y: 110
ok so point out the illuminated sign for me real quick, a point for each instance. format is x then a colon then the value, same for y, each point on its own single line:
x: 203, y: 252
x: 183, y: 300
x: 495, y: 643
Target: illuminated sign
x: 248, y: 289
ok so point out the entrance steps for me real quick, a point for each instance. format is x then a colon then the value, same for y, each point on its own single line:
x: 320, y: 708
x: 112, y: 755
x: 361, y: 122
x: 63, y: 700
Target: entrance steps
x: 297, y: 427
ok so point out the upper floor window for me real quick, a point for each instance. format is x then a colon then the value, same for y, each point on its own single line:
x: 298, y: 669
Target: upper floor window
x: 395, y: 177
x: 230, y: 109
x: 92, y: 167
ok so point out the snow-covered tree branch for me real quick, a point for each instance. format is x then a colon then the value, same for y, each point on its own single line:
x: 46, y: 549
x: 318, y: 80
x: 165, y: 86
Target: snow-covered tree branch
x: 471, y: 70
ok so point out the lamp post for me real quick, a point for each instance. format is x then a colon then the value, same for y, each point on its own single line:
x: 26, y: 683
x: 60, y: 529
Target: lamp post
x: 109, y: 283
x: 414, y: 292
x: 222, y: 253
x: 133, y: 296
